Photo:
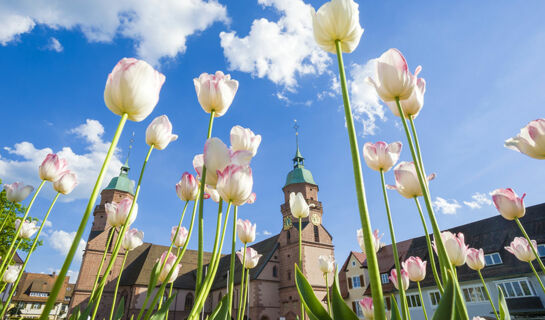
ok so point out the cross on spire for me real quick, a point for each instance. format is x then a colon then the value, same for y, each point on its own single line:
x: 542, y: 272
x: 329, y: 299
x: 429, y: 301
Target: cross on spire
x: 298, y: 161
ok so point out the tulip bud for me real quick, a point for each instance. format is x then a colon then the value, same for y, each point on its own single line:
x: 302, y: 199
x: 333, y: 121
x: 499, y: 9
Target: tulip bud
x: 187, y: 188
x: 244, y: 139
x: 376, y: 240
x: 337, y: 20
x: 522, y: 250
x: 475, y: 259
x: 367, y: 308
x: 252, y: 257
x: 298, y: 205
x: 159, y: 133
x: 168, y: 266
x: 530, y: 140
x: 11, y: 274
x: 66, y: 183
x: 407, y: 183
x: 133, y: 239
x: 117, y: 213
x: 52, y: 168
x: 416, y: 268
x: 455, y: 247
x: 246, y: 231
x: 216, y: 157
x: 235, y: 184
x: 381, y: 156
x: 404, y: 279
x: 326, y: 263
x: 27, y: 229
x: 508, y: 203
x: 133, y: 87
x: 180, y: 238
x: 215, y: 92
x: 17, y: 191
x: 393, y: 78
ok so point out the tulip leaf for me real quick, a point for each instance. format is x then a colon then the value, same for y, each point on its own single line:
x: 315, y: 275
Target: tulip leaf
x: 447, y: 304
x: 153, y: 279
x: 338, y: 307
x: 222, y: 310
x: 395, y: 309
x: 161, y: 313
x: 119, y: 309
x: 504, y: 311
x: 314, y: 307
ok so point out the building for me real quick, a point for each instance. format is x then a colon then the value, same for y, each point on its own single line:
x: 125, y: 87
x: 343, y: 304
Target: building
x: 32, y: 293
x: 273, y: 294
x: 524, y: 296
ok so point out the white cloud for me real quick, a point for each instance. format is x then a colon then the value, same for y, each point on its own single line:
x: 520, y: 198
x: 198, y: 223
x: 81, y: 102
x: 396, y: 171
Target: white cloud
x: 54, y: 45
x: 446, y: 207
x: 73, y: 274
x: 279, y: 50
x: 27, y: 158
x: 266, y: 233
x: 479, y: 199
x: 61, y: 241
x: 48, y: 224
x: 159, y: 28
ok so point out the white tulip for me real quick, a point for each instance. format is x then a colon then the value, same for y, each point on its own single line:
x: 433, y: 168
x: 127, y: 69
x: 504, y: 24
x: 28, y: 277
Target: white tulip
x: 244, y: 139
x: 133, y: 239
x: 117, y: 213
x: 235, y: 184
x: 407, y: 183
x: 17, y: 191
x: 381, y: 156
x: 66, y: 183
x: 326, y: 263
x: 11, y: 274
x: 215, y: 92
x: 159, y: 133
x: 298, y: 205
x: 27, y: 229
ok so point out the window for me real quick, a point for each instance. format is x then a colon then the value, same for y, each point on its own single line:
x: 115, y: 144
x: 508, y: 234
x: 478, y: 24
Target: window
x: 474, y: 294
x: 413, y: 300
x: 39, y: 294
x: 384, y: 278
x: 541, y: 250
x: 188, y: 301
x: 434, y: 298
x: 275, y: 272
x: 356, y: 283
x: 515, y: 288
x: 289, y: 275
x: 353, y: 263
x: 36, y: 306
x: 288, y: 236
x: 316, y: 234
x: 492, y: 259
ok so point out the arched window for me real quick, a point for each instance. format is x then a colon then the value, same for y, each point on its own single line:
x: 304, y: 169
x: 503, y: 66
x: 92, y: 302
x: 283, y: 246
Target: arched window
x: 188, y: 301
x: 316, y: 234
x: 275, y: 272
x: 289, y: 275
x: 288, y: 235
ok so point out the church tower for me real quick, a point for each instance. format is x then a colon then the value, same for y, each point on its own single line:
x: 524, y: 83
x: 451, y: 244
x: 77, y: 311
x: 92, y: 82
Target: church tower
x: 120, y: 187
x: 316, y: 240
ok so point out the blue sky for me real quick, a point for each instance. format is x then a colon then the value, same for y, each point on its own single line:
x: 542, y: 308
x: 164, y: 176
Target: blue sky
x: 482, y: 63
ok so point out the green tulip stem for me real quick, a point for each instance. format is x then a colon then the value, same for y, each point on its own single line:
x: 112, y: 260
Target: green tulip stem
x: 488, y: 294
x: 171, y: 285
x: 6, y: 215
x: 406, y: 315
x: 246, y: 288
x: 117, y: 247
x: 537, y: 276
x: 430, y: 248
x: 106, y: 249
x: 200, y: 251
x: 9, y: 253
x: 327, y: 293
x: 240, y: 314
x: 232, y: 262
x: 117, y: 284
x: 422, y: 300
x: 90, y: 205
x: 301, y: 262
x: 372, y: 263
x: 530, y: 244
x: 10, y: 258
x: 32, y: 248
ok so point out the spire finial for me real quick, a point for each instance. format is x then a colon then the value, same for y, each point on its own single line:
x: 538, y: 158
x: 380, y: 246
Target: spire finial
x: 298, y: 161
x: 125, y: 168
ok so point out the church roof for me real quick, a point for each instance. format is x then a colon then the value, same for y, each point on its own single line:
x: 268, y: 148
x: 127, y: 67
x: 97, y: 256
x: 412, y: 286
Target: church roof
x: 122, y: 181
x: 299, y: 175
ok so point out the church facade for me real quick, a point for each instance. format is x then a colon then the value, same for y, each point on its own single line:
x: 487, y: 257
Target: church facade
x: 273, y: 294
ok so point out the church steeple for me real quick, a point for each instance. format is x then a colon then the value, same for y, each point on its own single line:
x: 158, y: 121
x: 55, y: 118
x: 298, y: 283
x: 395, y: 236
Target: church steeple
x: 299, y: 174
x: 298, y: 160
x: 122, y: 181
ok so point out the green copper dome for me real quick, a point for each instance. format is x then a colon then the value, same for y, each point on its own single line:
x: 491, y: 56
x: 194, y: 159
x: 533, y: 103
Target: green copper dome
x: 299, y: 174
x: 122, y: 182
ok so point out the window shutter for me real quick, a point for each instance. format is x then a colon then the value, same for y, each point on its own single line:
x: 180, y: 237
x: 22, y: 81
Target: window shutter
x: 354, y: 306
x: 361, y: 280
x: 349, y: 283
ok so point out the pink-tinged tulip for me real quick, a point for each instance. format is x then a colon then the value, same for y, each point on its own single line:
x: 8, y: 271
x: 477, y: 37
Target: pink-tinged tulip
x: 415, y: 267
x: 133, y: 88
x: 455, y: 247
x: 52, y: 168
x: 133, y: 239
x: 508, y: 203
x: 381, y: 156
x: 244, y: 139
x: 393, y: 78
x: 478, y: 318
x: 326, y: 263
x: 252, y: 257
x: 215, y: 92
x: 530, y: 140
x: 216, y: 157
x: 404, y: 279
x: 17, y: 191
x: 407, y: 183
x: 337, y: 20
x: 251, y: 199
x: 522, y: 250
x: 27, y: 229
x: 367, y: 308
x: 376, y: 240
x: 66, y: 183
x: 475, y: 259
x: 117, y: 213
x: 298, y: 205
x: 181, y: 237
x: 187, y: 188
x: 159, y: 133
x: 11, y: 274
x: 198, y: 164
x: 245, y: 231
x: 413, y: 105
x: 235, y: 184
x: 211, y: 193
x: 168, y: 266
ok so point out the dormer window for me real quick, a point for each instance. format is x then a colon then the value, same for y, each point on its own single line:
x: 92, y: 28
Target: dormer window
x: 541, y: 250
x: 384, y: 278
x: 492, y: 259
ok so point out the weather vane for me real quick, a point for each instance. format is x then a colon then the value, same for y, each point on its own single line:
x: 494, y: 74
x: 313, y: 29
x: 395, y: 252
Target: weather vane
x: 296, y: 127
x: 131, y: 141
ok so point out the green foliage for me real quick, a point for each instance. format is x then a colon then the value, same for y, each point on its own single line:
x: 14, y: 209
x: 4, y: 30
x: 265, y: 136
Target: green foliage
x: 395, y: 309
x: 339, y: 308
x: 447, y: 305
x: 222, y: 310
x: 314, y: 307
x: 119, y: 310
x: 504, y: 311
x: 161, y: 313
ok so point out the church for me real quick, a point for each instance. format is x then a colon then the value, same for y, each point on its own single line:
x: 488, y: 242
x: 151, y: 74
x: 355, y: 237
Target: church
x: 273, y: 294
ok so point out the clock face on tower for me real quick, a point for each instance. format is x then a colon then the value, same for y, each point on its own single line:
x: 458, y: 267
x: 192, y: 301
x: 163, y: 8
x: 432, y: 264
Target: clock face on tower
x: 287, y: 223
x: 315, y: 219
